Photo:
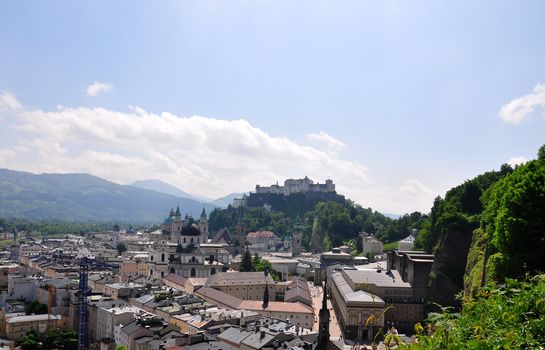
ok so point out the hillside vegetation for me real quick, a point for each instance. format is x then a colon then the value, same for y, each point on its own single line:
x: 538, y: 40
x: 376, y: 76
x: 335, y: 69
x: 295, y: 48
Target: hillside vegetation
x: 324, y: 225
x: 501, y: 316
x: 84, y: 198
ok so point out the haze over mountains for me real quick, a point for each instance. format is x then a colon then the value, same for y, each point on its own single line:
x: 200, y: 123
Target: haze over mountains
x: 83, y: 197
x: 163, y: 187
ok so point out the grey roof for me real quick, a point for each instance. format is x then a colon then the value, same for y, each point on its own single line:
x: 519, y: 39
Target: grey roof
x: 257, y: 340
x: 234, y: 335
x: 352, y: 297
x: 222, y: 236
x: 129, y: 328
x: 297, y: 291
x: 382, y: 278
x: 239, y: 278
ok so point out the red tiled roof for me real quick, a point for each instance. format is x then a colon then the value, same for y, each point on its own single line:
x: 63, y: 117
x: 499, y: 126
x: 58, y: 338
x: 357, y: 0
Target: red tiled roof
x: 261, y: 234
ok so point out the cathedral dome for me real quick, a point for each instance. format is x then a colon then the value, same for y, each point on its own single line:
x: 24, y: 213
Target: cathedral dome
x: 190, y: 230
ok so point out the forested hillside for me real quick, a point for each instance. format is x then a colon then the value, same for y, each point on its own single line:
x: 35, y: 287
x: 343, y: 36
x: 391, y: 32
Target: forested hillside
x: 500, y: 215
x: 324, y: 225
x: 84, y: 198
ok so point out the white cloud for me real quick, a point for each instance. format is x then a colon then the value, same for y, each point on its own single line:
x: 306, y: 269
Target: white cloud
x: 332, y: 145
x: 206, y: 156
x: 97, y: 88
x: 414, y: 187
x: 8, y: 103
x: 521, y: 108
x: 517, y: 161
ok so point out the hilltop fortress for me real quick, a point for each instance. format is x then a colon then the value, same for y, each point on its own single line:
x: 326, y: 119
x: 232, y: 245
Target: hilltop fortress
x: 297, y: 186
x: 297, y: 196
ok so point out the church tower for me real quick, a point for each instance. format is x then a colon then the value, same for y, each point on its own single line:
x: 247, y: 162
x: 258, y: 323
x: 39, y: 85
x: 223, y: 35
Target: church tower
x: 297, y: 236
x: 203, y: 226
x: 324, y: 319
x: 240, y: 239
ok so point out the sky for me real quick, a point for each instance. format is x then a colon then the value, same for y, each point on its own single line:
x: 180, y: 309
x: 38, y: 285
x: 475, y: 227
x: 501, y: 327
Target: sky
x: 395, y: 101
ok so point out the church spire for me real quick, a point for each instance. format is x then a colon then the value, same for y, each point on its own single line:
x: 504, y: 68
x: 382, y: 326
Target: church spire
x: 266, y: 297
x: 324, y: 318
x: 178, y: 215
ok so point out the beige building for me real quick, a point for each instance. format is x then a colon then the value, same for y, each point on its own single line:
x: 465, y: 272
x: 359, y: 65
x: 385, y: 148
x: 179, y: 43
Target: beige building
x: 298, y: 313
x: 371, y: 245
x: 109, y: 317
x: 243, y: 285
x: 122, y: 290
x: 18, y: 326
x: 190, y: 324
x: 263, y: 240
x: 133, y: 268
x: 387, y: 286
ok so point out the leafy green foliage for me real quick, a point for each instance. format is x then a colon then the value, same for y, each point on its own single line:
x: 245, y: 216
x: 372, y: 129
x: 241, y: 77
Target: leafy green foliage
x: 37, y: 308
x: 541, y: 153
x: 514, y: 220
x: 327, y: 224
x: 51, y: 227
x: 55, y: 339
x: 262, y: 265
x: 121, y: 248
x: 247, y: 264
x: 30, y: 341
x: 460, y: 210
x: 507, y: 316
x: 359, y: 244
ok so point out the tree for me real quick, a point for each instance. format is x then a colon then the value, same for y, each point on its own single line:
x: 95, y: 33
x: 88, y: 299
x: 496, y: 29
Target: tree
x: 514, y: 220
x: 36, y: 308
x: 541, y: 153
x: 121, y: 248
x: 257, y: 260
x: 359, y: 244
x: 30, y: 341
x: 247, y: 263
x: 70, y: 340
x: 508, y: 316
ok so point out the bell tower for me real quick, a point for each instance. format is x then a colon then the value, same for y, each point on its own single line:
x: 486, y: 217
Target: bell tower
x: 203, y: 225
x: 296, y: 238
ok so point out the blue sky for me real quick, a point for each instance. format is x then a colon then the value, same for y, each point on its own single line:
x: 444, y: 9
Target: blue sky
x: 401, y: 99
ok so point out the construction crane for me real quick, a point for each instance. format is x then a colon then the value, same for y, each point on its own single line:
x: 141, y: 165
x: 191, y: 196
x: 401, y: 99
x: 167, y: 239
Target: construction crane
x: 83, y: 317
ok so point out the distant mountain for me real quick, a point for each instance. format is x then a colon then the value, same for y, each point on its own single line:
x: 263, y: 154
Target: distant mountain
x: 163, y: 187
x: 83, y: 197
x: 223, y: 202
x: 392, y: 216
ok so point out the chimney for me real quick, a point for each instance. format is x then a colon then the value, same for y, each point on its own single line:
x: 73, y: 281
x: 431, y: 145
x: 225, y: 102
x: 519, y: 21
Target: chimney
x: 262, y: 335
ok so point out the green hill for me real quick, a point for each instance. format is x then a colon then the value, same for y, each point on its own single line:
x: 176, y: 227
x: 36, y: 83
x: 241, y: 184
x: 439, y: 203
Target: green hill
x: 83, y: 197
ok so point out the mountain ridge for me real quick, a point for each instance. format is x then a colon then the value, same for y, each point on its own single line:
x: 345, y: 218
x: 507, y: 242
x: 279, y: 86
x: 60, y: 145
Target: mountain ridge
x: 164, y: 187
x: 85, y: 197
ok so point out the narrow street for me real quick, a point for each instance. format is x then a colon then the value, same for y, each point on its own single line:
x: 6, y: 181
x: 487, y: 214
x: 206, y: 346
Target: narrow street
x: 317, y: 295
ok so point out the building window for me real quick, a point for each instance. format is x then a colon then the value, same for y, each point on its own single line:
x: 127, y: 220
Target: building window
x: 163, y: 257
x: 172, y: 270
x: 193, y: 272
x: 162, y: 274
x: 213, y: 271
